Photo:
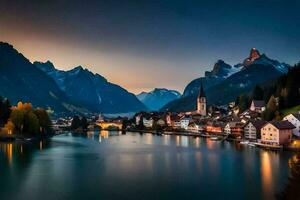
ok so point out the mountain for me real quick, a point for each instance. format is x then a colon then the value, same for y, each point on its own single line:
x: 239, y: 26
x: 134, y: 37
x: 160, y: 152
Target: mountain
x: 23, y: 81
x: 220, y: 72
x: 224, y: 88
x: 91, y: 90
x: 158, y: 97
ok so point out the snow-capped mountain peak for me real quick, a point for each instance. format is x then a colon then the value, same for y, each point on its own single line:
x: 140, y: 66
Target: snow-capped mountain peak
x: 158, y: 97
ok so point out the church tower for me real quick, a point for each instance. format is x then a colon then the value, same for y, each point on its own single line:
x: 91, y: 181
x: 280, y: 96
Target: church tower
x: 201, y: 102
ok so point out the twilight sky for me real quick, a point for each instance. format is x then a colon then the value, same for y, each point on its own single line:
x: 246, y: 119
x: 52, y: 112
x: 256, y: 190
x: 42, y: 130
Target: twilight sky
x: 141, y: 44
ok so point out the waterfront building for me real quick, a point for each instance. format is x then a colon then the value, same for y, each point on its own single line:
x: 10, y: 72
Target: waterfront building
x: 174, y: 121
x: 214, y: 127
x: 168, y: 119
x: 148, y: 122
x: 277, y: 132
x: 138, y: 118
x: 234, y: 128
x: 194, y: 127
x: 184, y: 122
x: 201, y: 102
x: 161, y: 122
x: 252, y: 129
x: 295, y: 120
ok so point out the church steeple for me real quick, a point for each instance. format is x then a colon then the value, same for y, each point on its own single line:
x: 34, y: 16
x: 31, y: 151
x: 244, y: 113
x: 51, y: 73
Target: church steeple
x: 201, y: 101
x: 201, y: 91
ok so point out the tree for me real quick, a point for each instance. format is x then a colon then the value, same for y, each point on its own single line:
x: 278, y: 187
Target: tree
x: 244, y: 102
x: 76, y: 123
x: 293, y: 87
x: 17, y: 118
x: 27, y: 106
x: 9, y: 126
x: 237, y: 101
x: 5, y: 110
x: 44, y: 120
x: 31, y: 123
x: 20, y: 105
x: 258, y: 93
x: 84, y: 123
x: 272, y: 107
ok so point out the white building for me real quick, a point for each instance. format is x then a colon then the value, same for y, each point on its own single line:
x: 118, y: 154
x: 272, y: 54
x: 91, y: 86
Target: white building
x: 252, y: 129
x: 184, y: 123
x: 148, y: 123
x: 193, y: 127
x: 295, y: 120
x: 227, y: 128
x: 137, y: 119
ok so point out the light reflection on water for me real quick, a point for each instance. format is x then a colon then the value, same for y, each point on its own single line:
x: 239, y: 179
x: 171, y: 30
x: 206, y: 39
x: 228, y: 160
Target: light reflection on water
x: 125, y: 165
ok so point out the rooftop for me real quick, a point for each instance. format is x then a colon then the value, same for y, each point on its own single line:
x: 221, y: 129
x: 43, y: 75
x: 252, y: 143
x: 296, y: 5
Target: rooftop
x: 283, y: 124
x: 258, y: 103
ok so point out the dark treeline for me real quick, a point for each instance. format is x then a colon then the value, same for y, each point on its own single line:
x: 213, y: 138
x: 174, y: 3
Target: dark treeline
x: 281, y: 94
x: 5, y: 110
x: 79, y: 123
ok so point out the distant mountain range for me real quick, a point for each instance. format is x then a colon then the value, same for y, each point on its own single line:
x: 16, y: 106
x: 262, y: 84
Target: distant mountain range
x: 225, y: 82
x: 74, y: 91
x: 91, y: 90
x: 157, y: 98
x: 81, y: 91
x: 20, y: 80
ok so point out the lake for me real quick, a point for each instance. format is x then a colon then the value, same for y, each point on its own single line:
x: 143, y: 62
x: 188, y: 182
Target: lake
x: 109, y: 165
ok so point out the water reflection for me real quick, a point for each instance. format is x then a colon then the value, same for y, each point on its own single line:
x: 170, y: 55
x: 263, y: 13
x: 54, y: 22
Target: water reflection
x: 125, y: 164
x: 184, y: 141
x: 41, y: 145
x: 269, y: 169
x: 197, y: 142
x: 13, y: 152
x: 102, y: 135
x: 8, y: 151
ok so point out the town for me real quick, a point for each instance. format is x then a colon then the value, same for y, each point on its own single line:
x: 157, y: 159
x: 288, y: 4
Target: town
x: 213, y: 122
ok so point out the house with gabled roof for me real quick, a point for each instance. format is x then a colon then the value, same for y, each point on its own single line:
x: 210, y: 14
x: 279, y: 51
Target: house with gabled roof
x: 257, y: 106
x: 295, y: 120
x: 277, y: 132
x: 252, y: 129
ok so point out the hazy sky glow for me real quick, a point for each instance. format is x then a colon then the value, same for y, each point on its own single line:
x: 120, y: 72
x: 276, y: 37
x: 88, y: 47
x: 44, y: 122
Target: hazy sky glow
x: 145, y: 44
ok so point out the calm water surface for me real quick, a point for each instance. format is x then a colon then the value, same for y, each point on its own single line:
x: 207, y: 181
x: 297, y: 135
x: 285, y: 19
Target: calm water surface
x: 134, y: 166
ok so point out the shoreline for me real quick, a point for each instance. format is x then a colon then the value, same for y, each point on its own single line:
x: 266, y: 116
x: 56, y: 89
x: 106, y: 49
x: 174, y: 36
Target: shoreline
x: 216, y: 137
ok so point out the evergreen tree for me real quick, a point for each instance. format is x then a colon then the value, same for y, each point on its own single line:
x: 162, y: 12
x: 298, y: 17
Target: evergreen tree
x: 244, y: 102
x: 272, y: 107
x: 5, y: 110
x: 237, y: 101
x: 84, y: 123
x: 258, y: 93
x: 76, y: 123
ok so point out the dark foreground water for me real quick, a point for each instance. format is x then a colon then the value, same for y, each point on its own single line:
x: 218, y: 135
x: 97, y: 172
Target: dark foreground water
x: 133, y: 166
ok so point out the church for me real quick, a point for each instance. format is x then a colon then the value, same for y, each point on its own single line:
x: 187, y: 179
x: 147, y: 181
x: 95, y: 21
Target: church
x: 201, y: 102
